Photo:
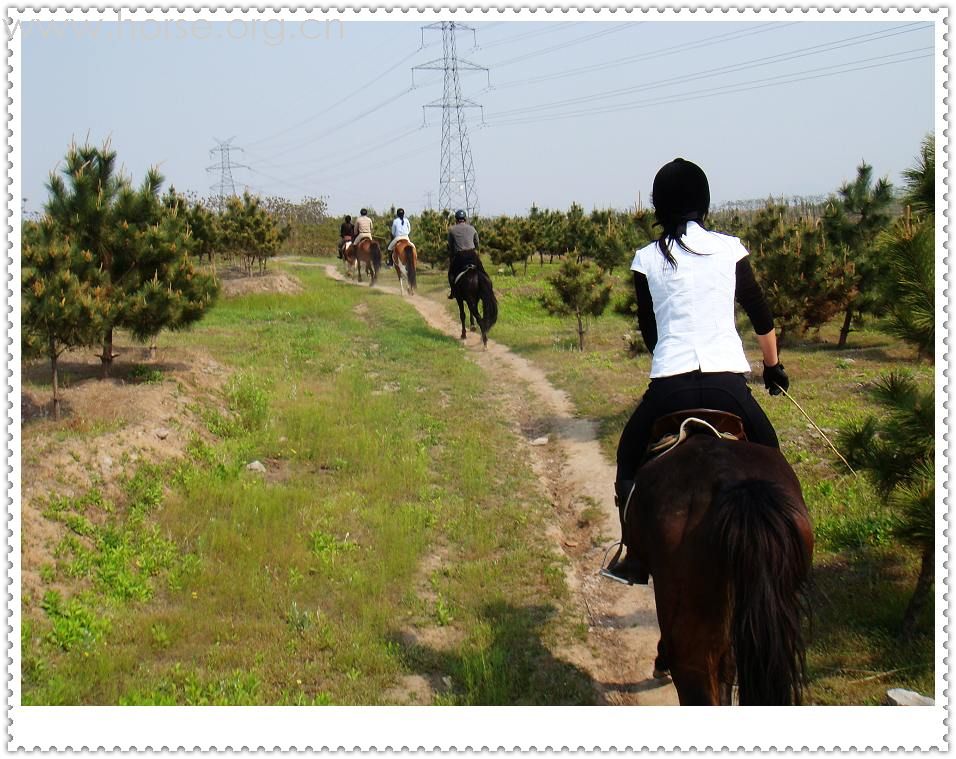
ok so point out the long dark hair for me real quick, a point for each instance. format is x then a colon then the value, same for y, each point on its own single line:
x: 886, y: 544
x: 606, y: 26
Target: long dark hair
x: 680, y: 195
x: 673, y: 233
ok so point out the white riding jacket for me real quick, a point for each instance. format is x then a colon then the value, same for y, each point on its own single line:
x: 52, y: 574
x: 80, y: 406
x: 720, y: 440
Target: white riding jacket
x: 694, y: 304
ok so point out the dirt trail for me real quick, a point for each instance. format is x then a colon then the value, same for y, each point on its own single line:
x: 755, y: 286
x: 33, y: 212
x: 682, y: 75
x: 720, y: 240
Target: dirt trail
x: 622, y: 621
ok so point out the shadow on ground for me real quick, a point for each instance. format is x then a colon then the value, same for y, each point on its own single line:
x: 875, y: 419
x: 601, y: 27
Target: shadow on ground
x: 503, y: 662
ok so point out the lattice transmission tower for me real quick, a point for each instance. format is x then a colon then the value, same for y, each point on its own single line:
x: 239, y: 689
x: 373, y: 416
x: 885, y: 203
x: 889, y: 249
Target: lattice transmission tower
x: 226, y: 186
x: 457, y: 188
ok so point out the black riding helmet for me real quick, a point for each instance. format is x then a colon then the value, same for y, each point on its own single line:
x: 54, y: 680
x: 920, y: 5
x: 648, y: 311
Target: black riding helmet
x: 680, y: 194
x: 459, y: 215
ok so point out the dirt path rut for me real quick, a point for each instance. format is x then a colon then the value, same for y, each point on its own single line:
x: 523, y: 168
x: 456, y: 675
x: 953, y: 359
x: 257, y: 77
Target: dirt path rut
x: 622, y: 621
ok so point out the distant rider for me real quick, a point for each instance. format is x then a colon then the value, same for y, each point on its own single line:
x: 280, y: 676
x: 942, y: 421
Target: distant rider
x: 462, y: 249
x: 363, y: 228
x: 401, y: 229
x: 346, y: 232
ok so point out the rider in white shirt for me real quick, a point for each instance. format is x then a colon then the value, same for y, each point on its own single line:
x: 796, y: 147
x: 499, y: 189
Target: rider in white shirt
x: 686, y: 283
x: 401, y: 229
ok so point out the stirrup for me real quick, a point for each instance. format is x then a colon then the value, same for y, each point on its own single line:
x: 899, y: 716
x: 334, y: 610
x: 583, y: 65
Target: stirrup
x: 606, y: 567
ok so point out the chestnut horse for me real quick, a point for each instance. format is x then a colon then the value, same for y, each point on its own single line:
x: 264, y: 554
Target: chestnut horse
x: 405, y: 260
x: 724, y: 531
x: 367, y: 253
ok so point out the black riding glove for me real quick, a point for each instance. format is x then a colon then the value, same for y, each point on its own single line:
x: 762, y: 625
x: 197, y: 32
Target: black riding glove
x: 775, y: 378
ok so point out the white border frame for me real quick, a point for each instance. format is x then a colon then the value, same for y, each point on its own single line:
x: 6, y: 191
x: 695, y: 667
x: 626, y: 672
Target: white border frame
x: 474, y: 728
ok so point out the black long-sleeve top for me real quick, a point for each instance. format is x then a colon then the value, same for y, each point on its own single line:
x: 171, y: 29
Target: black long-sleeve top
x: 747, y: 293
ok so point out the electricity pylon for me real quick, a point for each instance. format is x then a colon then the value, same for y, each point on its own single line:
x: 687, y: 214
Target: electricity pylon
x: 226, y: 186
x: 457, y: 188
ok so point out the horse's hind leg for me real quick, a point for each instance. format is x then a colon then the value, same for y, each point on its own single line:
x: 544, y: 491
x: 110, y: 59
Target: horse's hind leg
x: 662, y: 667
x: 461, y: 314
x: 473, y: 312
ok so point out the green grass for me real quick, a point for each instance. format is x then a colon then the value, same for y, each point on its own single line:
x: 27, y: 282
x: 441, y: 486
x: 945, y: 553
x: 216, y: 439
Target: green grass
x: 300, y: 586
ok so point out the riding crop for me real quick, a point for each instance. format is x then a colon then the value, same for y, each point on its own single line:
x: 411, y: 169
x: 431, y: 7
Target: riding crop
x: 816, y: 428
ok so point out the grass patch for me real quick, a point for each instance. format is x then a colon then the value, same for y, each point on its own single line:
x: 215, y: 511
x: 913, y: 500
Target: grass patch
x: 145, y: 375
x: 300, y: 585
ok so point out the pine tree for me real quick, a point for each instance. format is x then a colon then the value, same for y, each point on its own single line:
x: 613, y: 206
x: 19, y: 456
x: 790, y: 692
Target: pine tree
x: 896, y: 449
x: 577, y: 288
x: 250, y: 232
x: 921, y: 180
x: 609, y: 251
x: 140, y: 246
x: 909, y: 249
x: 806, y: 280
x: 201, y: 225
x: 853, y: 220
x: 63, y: 301
x: 502, y: 239
x: 430, y: 235
x: 578, y: 233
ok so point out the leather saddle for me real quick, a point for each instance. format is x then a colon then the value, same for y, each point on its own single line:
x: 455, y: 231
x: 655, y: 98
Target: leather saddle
x: 672, y: 429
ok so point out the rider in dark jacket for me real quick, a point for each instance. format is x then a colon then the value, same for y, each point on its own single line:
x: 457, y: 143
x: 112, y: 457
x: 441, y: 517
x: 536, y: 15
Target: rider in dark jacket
x: 346, y: 233
x: 462, y: 249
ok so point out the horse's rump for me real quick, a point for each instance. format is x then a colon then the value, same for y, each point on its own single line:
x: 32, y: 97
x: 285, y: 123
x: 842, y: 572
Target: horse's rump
x: 724, y: 531
x: 406, y: 253
x: 367, y: 251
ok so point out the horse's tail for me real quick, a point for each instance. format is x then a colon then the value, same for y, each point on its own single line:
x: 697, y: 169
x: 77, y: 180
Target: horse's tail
x: 410, y: 262
x: 489, y: 304
x: 375, y: 251
x: 757, y: 535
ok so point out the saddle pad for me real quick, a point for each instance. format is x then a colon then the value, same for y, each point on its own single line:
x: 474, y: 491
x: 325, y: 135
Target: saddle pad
x: 670, y: 442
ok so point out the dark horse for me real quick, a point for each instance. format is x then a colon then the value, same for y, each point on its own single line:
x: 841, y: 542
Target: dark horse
x: 367, y: 253
x: 473, y: 286
x: 724, y: 530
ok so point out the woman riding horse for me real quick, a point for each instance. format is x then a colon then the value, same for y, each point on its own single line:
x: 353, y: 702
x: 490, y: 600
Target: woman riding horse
x: 720, y: 524
x: 686, y: 283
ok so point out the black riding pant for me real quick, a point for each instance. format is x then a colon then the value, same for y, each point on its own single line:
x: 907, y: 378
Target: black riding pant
x: 461, y: 261
x: 721, y: 391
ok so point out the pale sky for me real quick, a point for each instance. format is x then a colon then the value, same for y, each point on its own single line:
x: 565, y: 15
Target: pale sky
x: 580, y: 111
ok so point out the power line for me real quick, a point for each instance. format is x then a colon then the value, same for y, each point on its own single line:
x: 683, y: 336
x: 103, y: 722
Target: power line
x: 339, y: 102
x: 351, y: 121
x: 352, y: 159
x: 569, y: 43
x: 730, y: 89
x: 658, y: 53
x: 779, y: 58
x: 552, y: 27
x: 403, y: 131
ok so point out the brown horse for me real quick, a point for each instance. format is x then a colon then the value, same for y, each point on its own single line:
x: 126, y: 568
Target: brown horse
x: 473, y: 286
x: 405, y: 260
x: 367, y: 254
x: 724, y: 531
